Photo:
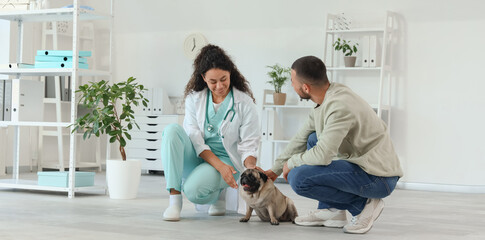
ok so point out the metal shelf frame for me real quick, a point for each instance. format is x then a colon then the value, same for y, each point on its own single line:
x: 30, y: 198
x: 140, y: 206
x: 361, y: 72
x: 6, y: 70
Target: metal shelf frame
x: 48, y: 15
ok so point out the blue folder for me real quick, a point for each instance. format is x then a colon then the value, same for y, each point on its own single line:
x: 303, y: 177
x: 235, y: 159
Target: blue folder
x: 57, y: 59
x: 62, y: 53
x: 58, y: 65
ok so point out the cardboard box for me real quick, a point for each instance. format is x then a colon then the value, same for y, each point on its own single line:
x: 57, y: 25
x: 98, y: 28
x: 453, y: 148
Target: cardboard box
x: 61, y: 179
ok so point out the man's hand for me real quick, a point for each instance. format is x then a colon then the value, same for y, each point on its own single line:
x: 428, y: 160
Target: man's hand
x: 271, y: 174
x: 286, y: 170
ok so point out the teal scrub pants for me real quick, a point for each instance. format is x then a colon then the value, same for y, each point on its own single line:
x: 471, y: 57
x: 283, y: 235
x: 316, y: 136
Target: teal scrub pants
x: 203, y: 183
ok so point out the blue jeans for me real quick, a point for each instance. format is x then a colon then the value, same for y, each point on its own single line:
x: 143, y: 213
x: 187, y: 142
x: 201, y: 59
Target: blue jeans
x: 341, y: 184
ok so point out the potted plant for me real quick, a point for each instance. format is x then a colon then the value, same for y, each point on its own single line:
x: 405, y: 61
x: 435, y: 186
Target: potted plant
x: 123, y: 177
x: 279, y: 76
x: 348, y: 49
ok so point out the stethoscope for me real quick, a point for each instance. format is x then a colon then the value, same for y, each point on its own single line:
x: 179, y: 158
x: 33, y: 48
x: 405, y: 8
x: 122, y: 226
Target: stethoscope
x: 210, y: 127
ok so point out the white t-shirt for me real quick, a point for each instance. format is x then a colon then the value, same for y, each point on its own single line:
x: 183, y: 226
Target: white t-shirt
x: 217, y: 106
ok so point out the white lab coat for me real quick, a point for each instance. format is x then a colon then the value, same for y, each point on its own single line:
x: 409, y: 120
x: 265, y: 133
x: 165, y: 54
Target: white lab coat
x: 240, y: 138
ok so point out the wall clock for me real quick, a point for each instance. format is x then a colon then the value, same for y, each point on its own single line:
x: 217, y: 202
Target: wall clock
x: 193, y: 43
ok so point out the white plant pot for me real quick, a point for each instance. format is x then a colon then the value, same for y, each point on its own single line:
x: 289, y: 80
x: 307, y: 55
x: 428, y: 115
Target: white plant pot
x: 349, y: 61
x: 123, y: 178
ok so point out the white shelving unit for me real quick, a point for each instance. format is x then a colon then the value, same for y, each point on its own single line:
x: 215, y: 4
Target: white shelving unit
x: 275, y: 129
x: 382, y: 70
x: 53, y: 31
x: 48, y: 15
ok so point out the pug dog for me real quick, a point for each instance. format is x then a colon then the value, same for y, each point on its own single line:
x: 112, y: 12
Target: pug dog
x: 262, y: 196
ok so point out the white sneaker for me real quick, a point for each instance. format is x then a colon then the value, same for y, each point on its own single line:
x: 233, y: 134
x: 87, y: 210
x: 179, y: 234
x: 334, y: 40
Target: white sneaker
x: 363, y: 222
x: 323, y: 217
x: 218, y: 209
x: 172, y: 213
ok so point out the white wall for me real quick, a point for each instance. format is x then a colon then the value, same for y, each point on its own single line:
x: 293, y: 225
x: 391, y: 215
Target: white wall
x: 438, y: 105
x: 4, y: 54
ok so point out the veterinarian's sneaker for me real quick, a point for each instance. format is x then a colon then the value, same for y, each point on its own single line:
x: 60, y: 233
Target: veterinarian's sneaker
x: 172, y: 213
x: 363, y: 222
x: 323, y: 217
x: 218, y: 209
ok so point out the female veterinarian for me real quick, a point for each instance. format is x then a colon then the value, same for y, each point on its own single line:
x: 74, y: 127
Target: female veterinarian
x: 219, y: 138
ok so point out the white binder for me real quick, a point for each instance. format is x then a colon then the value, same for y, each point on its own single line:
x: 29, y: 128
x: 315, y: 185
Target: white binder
x: 373, y: 51
x: 161, y: 104
x: 274, y: 130
x: 365, y: 51
x: 2, y: 84
x: 27, y: 100
x: 264, y: 125
x: 158, y: 103
x: 7, y: 100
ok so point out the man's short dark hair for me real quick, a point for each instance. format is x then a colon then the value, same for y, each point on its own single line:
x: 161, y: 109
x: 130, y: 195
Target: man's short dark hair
x: 311, y: 70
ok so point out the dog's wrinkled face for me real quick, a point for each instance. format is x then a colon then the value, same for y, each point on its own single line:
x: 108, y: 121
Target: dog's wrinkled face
x: 252, y: 180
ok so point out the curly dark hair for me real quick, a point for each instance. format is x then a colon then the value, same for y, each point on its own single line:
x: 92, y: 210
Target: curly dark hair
x: 210, y: 57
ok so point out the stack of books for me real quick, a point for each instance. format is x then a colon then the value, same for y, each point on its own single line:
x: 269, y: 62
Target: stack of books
x: 60, y: 59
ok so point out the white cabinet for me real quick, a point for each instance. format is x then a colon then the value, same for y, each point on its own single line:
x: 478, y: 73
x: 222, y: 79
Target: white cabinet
x: 50, y: 15
x: 146, y: 142
x: 279, y: 123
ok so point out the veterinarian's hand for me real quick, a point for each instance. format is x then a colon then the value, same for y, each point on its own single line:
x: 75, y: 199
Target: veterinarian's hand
x: 286, y: 170
x: 250, y: 162
x: 270, y: 174
x: 227, y: 174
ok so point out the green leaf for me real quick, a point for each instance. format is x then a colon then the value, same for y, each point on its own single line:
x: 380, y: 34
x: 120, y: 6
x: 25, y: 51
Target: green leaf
x: 85, y: 135
x: 122, y: 142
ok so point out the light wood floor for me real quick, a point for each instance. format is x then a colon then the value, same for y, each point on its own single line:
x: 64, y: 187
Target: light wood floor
x: 46, y: 215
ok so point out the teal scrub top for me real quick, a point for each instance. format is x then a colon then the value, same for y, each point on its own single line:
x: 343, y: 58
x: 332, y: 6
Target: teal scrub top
x: 213, y: 139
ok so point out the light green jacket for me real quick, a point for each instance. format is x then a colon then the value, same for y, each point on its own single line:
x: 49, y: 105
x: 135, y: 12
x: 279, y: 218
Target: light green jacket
x: 348, y: 129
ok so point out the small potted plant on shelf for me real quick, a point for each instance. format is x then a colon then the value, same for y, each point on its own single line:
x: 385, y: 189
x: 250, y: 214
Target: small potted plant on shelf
x: 348, y: 49
x: 106, y: 117
x: 279, y: 76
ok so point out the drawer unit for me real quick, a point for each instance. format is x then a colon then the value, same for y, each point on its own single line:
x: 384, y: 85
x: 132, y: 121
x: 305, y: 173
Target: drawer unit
x: 140, y: 153
x: 145, y: 143
x: 146, y: 135
x: 163, y: 119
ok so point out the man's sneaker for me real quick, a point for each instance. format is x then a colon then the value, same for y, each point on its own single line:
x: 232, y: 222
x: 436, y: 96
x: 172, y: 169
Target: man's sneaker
x: 363, y: 222
x: 323, y: 217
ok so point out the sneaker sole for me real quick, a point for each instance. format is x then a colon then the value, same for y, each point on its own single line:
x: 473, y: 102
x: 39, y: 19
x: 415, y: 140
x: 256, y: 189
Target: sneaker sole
x: 171, y: 219
x: 335, y: 223
x: 217, y: 214
x: 328, y: 223
x: 379, y: 208
x: 310, y: 224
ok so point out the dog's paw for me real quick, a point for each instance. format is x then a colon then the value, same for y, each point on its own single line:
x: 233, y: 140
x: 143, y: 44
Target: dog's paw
x: 275, y: 223
x: 244, y: 219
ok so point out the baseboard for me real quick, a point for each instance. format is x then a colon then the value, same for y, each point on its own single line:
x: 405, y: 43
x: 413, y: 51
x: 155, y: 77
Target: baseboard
x: 26, y: 169
x: 22, y: 169
x: 433, y: 187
